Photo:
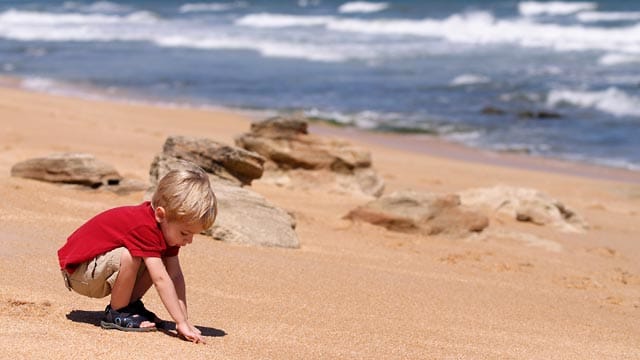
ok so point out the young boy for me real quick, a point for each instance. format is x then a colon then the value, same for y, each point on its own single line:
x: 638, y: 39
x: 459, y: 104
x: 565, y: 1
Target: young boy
x: 124, y: 250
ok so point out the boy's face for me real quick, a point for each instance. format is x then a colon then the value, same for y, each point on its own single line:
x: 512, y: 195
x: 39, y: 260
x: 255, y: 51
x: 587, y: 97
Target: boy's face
x: 176, y: 233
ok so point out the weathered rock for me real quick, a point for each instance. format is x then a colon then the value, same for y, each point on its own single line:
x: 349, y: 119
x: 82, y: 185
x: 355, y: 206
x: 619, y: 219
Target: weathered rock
x: 280, y: 127
x: 541, y: 114
x: 492, y: 110
x: 286, y: 143
x: 426, y: 213
x: 69, y: 168
x: 127, y: 186
x: 524, y: 204
x: 524, y: 114
x: 163, y: 163
x: 227, y: 162
x: 243, y: 215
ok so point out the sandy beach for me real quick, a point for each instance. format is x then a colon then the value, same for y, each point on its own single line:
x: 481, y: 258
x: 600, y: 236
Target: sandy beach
x: 352, y: 290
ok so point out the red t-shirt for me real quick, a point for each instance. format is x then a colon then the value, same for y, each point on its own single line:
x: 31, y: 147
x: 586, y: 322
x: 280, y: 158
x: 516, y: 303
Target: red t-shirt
x: 133, y: 227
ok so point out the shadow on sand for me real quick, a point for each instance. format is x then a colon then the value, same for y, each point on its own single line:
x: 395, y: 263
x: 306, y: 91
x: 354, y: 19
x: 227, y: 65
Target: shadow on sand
x: 167, y: 327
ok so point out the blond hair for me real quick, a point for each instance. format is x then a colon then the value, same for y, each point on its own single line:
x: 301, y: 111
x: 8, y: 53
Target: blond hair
x: 186, y: 196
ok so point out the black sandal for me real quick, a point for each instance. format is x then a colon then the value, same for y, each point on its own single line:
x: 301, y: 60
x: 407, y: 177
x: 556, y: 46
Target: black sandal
x: 124, y: 320
x: 137, y: 307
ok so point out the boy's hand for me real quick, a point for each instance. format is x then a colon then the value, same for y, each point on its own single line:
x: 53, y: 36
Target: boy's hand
x: 190, y: 333
x: 196, y: 330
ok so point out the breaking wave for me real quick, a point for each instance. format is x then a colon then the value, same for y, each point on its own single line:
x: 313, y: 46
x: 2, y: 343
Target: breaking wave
x: 612, y: 100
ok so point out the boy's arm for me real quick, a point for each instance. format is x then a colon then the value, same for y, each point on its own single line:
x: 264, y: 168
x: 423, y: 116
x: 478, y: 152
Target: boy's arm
x: 174, y: 270
x: 169, y: 296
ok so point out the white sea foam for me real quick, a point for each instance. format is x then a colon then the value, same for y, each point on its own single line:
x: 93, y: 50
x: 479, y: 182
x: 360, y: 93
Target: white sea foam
x: 36, y: 26
x: 601, y: 16
x: 611, y: 100
x: 482, y: 28
x: 211, y: 7
x: 362, y: 7
x: 84, y: 91
x: 613, y: 59
x: 38, y: 83
x: 363, y: 119
x: 534, y: 8
x: 469, y: 79
x: 265, y: 48
x: 265, y: 20
x: 611, y: 162
x: 331, y: 41
x: 466, y: 137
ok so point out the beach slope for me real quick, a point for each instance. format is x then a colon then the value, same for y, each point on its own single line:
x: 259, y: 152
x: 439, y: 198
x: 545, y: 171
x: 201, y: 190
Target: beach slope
x: 352, y: 290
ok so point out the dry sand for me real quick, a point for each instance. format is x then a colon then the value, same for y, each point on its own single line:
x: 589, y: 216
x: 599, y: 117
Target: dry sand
x: 352, y: 291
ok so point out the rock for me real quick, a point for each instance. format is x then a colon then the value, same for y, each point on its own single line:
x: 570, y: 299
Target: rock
x: 366, y: 181
x: 287, y: 145
x: 228, y: 162
x: 244, y: 216
x: 492, y: 110
x: 542, y: 114
x: 281, y: 127
x: 127, y: 186
x: 417, y: 212
x: 524, y: 204
x: 526, y: 114
x: 69, y: 168
x: 163, y: 163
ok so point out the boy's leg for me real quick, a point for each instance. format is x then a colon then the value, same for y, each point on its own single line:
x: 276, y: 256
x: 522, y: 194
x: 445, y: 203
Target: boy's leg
x: 143, y: 284
x: 125, y: 284
x: 126, y: 281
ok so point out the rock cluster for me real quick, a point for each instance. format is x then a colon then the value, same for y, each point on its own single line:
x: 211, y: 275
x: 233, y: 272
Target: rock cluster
x: 244, y: 216
x: 282, y: 151
x: 227, y: 162
x: 298, y: 159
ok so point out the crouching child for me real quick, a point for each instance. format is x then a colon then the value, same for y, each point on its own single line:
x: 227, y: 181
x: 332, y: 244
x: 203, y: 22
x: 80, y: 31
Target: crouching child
x: 124, y: 250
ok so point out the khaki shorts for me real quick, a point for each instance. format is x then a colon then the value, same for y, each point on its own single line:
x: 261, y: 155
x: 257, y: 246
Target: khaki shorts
x: 95, y: 278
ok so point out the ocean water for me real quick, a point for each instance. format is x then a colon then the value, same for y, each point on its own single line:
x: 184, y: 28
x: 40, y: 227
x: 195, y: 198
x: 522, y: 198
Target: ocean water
x: 559, y: 79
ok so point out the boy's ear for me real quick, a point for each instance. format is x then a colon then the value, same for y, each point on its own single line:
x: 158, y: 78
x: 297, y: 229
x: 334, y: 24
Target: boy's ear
x: 160, y: 214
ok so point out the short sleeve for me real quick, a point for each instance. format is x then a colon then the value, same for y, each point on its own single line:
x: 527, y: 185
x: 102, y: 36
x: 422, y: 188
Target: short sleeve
x: 144, y: 241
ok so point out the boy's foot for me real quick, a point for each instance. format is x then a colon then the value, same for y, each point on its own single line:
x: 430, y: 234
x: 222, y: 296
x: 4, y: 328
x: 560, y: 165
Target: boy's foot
x: 124, y: 320
x: 137, y: 307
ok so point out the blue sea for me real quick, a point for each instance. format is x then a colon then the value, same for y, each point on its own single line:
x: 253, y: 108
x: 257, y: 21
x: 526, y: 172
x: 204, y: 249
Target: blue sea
x: 557, y: 79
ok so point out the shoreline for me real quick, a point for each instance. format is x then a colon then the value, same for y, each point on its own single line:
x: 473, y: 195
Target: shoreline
x: 417, y: 143
x: 438, y: 147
